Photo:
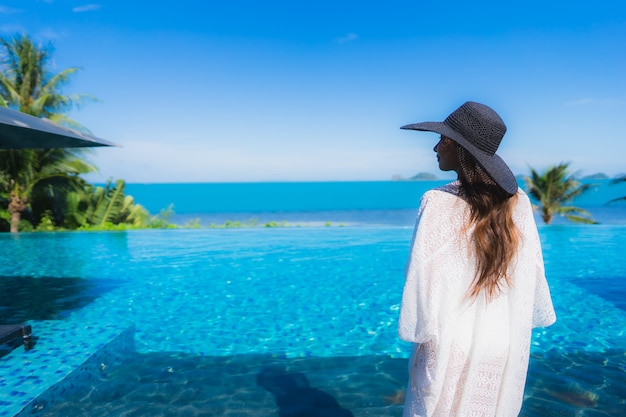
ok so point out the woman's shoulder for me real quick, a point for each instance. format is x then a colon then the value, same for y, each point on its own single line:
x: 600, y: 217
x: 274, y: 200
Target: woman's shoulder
x: 445, y: 191
x: 451, y: 192
x: 523, y: 213
x: 444, y: 196
x: 523, y: 201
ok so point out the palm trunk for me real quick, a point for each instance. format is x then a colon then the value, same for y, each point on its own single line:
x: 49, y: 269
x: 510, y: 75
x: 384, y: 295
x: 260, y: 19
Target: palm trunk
x: 547, y: 216
x: 16, y: 216
x: 16, y: 207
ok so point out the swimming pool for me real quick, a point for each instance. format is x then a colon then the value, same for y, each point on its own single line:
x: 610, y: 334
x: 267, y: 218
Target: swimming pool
x: 314, y: 307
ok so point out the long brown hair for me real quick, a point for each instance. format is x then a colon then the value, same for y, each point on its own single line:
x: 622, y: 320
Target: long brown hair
x: 495, y: 237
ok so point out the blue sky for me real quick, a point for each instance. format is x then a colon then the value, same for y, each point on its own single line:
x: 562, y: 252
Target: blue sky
x: 201, y: 91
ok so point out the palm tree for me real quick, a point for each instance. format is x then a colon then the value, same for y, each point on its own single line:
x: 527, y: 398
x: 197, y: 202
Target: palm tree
x: 553, y: 189
x: 621, y: 178
x: 39, y: 180
x: 27, y: 85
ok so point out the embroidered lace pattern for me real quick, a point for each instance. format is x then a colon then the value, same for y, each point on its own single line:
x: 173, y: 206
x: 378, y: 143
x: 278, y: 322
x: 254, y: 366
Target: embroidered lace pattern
x: 470, y: 356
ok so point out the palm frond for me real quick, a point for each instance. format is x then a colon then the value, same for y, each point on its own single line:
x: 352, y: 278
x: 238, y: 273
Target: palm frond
x: 570, y: 210
x: 63, y: 120
x: 554, y: 187
x: 618, y: 179
x: 614, y: 181
x: 580, y: 219
x: 617, y: 199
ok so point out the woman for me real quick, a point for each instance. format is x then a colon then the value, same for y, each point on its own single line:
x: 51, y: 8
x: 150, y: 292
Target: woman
x: 475, y: 284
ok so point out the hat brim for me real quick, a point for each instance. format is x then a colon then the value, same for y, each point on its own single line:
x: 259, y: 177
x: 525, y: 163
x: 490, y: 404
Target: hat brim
x: 493, y: 165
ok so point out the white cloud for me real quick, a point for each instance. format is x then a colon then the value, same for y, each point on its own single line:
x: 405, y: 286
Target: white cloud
x: 86, y: 8
x: 348, y: 38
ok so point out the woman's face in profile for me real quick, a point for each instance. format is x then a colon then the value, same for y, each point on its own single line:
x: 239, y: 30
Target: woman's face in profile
x: 447, y: 154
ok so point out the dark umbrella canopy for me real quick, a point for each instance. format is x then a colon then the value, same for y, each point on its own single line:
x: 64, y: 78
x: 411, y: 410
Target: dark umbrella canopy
x: 19, y: 130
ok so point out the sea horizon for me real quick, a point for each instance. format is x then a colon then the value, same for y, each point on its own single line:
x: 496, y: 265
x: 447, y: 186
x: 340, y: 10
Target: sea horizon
x: 391, y: 202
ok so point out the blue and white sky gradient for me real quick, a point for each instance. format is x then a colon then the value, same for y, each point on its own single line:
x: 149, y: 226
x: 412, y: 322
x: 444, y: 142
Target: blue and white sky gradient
x: 208, y: 91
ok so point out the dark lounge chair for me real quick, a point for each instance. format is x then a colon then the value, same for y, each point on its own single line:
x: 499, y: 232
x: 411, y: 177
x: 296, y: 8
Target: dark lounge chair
x: 16, y: 334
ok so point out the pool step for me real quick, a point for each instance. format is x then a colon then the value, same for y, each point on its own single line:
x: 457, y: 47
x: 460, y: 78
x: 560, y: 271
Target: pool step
x: 64, y: 355
x: 160, y: 383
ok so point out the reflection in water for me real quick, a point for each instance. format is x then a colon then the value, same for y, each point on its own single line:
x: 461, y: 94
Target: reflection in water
x: 62, y: 254
x: 295, y: 398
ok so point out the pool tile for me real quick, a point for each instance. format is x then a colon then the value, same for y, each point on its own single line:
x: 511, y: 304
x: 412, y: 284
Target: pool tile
x: 38, y: 376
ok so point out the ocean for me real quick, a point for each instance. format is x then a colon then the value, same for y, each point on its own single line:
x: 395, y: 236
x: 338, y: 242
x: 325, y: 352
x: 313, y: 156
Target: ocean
x: 358, y: 203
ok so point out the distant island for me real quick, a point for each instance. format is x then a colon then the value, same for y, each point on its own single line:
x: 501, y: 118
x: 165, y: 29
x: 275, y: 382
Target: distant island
x: 597, y: 176
x: 422, y: 176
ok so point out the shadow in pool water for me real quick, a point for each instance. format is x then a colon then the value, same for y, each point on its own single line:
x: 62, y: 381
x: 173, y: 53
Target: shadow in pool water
x: 611, y: 288
x: 296, y: 398
x: 576, y: 383
x: 26, y: 298
x: 177, y: 384
x: 566, y: 384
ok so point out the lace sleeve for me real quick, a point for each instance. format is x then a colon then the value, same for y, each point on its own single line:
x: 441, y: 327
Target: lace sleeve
x: 424, y: 299
x: 543, y: 310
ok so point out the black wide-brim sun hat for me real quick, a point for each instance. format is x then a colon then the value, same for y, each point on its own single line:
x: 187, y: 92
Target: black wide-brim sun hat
x: 479, y: 129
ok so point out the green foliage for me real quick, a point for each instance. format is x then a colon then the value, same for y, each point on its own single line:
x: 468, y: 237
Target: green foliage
x: 229, y: 224
x: 162, y: 220
x: 108, y: 227
x: 5, y: 220
x: 26, y: 226
x: 46, y: 224
x: 41, y: 189
x: 110, y: 202
x: 100, y: 208
x: 554, y: 188
x: 193, y: 224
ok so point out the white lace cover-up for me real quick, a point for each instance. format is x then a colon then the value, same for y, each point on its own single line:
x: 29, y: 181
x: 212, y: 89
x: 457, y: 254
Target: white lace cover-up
x: 470, y: 357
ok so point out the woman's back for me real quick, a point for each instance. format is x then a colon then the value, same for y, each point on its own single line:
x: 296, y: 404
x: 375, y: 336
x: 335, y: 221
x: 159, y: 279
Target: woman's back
x: 473, y: 352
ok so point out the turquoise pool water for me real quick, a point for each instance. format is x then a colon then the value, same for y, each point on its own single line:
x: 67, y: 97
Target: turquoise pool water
x: 219, y: 313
